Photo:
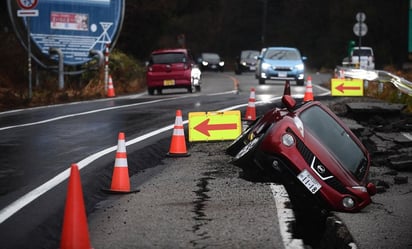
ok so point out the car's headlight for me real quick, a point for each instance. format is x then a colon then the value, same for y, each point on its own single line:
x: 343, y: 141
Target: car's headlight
x: 300, y: 67
x: 288, y: 140
x: 361, y: 188
x: 265, y: 65
x: 222, y: 63
x: 348, y: 202
x: 204, y: 63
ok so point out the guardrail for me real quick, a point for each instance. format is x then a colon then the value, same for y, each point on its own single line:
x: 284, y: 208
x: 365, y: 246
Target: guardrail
x: 402, y: 84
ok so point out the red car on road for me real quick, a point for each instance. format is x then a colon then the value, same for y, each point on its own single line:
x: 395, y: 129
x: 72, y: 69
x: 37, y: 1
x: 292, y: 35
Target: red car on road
x: 170, y: 68
x: 313, y: 147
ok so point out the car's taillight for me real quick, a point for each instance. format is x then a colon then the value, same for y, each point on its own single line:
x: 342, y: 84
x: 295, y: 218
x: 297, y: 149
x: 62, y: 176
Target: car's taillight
x: 150, y: 69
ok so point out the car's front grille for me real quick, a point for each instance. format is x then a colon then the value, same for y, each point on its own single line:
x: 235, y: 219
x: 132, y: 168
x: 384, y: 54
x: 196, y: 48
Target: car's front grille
x: 334, y: 183
x: 308, y: 157
x: 282, y: 68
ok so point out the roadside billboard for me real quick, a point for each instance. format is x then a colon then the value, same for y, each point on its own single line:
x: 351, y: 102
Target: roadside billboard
x: 75, y: 27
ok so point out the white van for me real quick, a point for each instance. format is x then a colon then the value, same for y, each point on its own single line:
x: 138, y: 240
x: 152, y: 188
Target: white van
x: 365, y: 54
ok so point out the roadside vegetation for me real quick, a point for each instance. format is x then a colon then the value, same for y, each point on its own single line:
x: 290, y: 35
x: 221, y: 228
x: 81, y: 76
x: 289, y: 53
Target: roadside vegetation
x: 127, y: 74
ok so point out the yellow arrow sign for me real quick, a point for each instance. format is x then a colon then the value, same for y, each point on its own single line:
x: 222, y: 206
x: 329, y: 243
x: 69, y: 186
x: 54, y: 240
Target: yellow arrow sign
x: 212, y: 126
x: 346, y: 87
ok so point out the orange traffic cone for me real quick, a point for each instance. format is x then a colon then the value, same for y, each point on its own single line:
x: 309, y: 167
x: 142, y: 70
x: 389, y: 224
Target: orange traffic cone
x: 286, y: 90
x: 75, y: 233
x: 178, y: 143
x: 120, y: 177
x: 309, y: 91
x: 110, y: 89
x: 251, y: 108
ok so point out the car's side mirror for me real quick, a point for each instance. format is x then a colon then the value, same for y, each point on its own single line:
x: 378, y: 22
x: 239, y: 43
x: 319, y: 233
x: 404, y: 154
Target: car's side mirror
x: 289, y: 102
x: 371, y: 189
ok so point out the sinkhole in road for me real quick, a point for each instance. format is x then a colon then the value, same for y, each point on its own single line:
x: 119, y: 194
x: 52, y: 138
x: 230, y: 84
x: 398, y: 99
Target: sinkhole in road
x: 315, y: 226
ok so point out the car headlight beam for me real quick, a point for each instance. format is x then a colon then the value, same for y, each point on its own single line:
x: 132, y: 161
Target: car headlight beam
x: 265, y: 66
x: 300, y: 67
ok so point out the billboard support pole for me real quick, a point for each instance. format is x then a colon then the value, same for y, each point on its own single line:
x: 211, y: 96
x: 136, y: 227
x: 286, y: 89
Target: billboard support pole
x: 59, y: 53
x: 29, y: 57
x: 106, y: 66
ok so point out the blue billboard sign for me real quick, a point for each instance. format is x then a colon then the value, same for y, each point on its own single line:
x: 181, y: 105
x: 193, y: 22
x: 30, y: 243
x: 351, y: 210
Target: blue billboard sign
x: 76, y: 27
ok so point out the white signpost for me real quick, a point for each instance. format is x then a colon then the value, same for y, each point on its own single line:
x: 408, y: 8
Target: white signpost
x: 27, y: 10
x: 360, y: 28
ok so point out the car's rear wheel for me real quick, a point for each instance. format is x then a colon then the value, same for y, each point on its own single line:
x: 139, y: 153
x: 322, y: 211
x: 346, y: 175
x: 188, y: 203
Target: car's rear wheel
x: 150, y: 91
x: 300, y: 82
x: 262, y: 81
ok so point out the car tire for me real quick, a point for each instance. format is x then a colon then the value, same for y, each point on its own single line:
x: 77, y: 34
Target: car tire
x: 150, y: 91
x: 159, y: 91
x: 197, y: 88
x: 261, y: 81
x: 239, y: 142
x: 244, y: 156
x: 300, y: 82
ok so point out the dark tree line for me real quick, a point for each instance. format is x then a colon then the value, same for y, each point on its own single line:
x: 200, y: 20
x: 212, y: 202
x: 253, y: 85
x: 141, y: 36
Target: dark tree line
x: 321, y: 29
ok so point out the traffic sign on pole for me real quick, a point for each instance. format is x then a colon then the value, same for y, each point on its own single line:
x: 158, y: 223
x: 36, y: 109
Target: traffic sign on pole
x: 27, y: 13
x: 27, y: 4
x: 360, y: 29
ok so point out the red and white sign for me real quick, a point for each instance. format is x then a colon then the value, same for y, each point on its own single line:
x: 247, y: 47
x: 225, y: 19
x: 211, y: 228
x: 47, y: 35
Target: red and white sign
x: 69, y: 21
x: 27, y: 4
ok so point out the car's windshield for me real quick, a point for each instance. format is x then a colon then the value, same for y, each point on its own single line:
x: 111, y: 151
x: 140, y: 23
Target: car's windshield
x: 249, y: 54
x: 362, y: 52
x: 275, y: 54
x: 207, y: 56
x: 168, y: 58
x: 335, y: 139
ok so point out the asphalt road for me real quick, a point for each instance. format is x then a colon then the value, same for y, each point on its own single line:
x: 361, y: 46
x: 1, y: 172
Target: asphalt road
x: 38, y: 146
x: 196, y: 202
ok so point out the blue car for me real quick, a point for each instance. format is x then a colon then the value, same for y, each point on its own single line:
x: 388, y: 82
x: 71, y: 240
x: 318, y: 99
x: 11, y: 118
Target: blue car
x: 281, y: 63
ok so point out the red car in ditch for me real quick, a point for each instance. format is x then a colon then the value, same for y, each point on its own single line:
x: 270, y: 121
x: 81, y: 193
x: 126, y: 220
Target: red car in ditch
x: 310, y: 144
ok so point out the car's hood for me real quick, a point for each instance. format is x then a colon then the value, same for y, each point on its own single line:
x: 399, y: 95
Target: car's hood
x: 212, y: 60
x: 249, y: 60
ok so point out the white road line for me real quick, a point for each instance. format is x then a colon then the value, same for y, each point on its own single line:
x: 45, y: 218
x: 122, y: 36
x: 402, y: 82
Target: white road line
x: 407, y: 135
x: 80, y: 114
x: 285, y: 217
x: 11, y: 209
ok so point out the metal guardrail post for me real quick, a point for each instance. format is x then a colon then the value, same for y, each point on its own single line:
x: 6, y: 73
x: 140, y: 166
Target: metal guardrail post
x: 402, y: 84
